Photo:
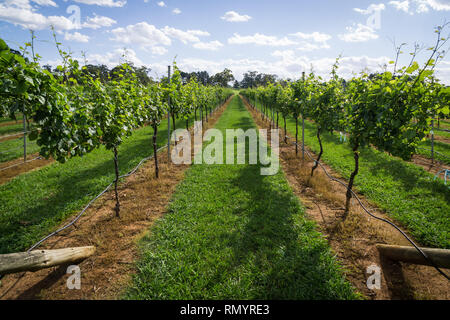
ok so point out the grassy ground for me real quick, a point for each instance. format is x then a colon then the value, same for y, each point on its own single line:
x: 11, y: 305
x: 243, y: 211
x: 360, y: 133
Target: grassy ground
x: 34, y: 203
x: 13, y: 149
x: 407, y: 192
x: 8, y: 119
x: 444, y: 124
x: 10, y: 129
x: 444, y: 134
x: 440, y: 147
x: 233, y: 234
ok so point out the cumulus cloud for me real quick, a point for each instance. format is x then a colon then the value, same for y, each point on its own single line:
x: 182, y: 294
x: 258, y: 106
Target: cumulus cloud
x: 98, y: 22
x: 438, y: 5
x: 45, y: 3
x: 261, y: 40
x: 103, y: 3
x: 22, y: 13
x: 358, y: 33
x: 19, y: 14
x: 176, y: 11
x: 158, y: 50
x: 113, y: 58
x: 400, y: 5
x: 77, y: 37
x: 141, y: 33
x: 371, y: 8
x: 312, y: 41
x: 421, y: 6
x: 148, y: 36
x: 199, y: 33
x: 212, y: 45
x: 184, y: 36
x: 162, y: 4
x: 233, y: 16
x: 315, y: 36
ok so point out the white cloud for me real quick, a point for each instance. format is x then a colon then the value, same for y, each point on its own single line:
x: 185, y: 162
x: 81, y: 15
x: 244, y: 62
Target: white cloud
x: 372, y: 8
x: 103, y: 3
x: 400, y: 5
x: 141, y: 33
x: 315, y: 36
x: 260, y: 39
x: 77, y: 37
x: 45, y: 3
x: 146, y: 36
x: 233, y: 16
x: 176, y: 11
x: 285, y: 54
x: 98, y: 22
x: 18, y: 13
x: 439, y: 5
x: 158, y: 50
x: 113, y: 58
x: 421, y: 6
x: 183, y: 36
x: 25, y: 4
x: 212, y: 45
x: 306, y: 46
x: 199, y: 33
x: 162, y: 4
x: 312, y: 41
x: 360, y: 33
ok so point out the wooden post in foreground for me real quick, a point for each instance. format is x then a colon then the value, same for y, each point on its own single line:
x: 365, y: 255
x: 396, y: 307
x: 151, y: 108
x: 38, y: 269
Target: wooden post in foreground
x: 440, y: 257
x: 40, y: 259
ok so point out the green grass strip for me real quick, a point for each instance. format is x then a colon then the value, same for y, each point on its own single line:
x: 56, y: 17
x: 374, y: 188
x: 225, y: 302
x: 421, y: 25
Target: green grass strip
x: 13, y: 149
x: 404, y: 190
x: 11, y: 129
x: 233, y: 234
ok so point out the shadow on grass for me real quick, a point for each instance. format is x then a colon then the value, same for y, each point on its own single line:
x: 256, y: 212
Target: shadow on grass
x: 292, y: 261
x: 409, y: 177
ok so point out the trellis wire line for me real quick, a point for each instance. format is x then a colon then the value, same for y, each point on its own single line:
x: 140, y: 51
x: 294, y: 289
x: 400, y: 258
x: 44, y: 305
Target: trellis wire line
x: 372, y: 215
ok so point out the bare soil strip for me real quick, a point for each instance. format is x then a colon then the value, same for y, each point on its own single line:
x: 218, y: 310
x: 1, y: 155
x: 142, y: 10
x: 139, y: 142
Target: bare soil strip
x: 104, y: 275
x: 354, y: 241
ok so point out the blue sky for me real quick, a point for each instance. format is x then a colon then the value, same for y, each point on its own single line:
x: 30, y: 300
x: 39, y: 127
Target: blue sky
x: 283, y: 37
